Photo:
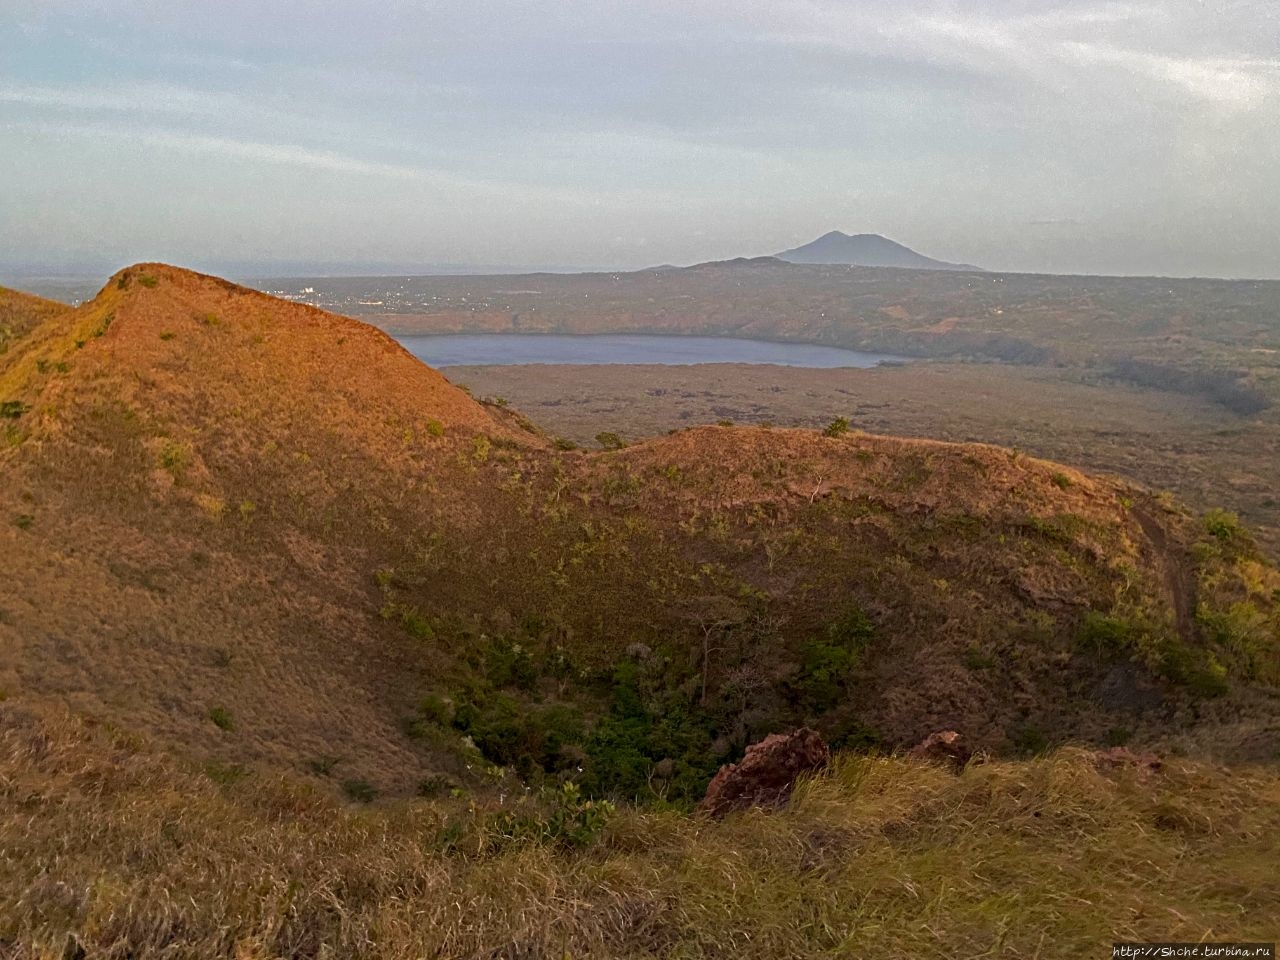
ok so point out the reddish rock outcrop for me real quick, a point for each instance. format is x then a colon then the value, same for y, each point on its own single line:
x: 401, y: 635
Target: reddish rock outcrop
x: 767, y: 773
x: 946, y: 746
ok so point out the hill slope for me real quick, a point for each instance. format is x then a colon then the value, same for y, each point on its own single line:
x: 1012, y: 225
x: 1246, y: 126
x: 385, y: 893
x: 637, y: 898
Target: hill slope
x: 174, y: 427
x: 266, y: 534
x: 864, y: 250
x: 21, y: 312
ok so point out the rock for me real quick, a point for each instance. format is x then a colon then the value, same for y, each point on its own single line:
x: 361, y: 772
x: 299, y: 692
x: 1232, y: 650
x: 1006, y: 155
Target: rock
x: 945, y: 746
x: 1118, y: 758
x: 767, y: 773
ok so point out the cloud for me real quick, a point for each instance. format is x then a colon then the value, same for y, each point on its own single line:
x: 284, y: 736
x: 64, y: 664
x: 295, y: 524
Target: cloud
x: 1237, y: 82
x: 158, y: 98
x: 444, y: 183
x: 731, y: 123
x: 1059, y: 46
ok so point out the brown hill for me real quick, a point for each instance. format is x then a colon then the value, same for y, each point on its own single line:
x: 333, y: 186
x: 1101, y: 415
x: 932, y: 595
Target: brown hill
x: 263, y: 533
x: 173, y: 426
x: 21, y: 312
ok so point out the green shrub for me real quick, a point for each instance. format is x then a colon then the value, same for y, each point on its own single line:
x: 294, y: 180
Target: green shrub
x: 361, y: 791
x: 23, y: 521
x: 562, y: 817
x: 508, y: 663
x: 827, y: 662
x: 610, y: 441
x: 436, y: 784
x: 1202, y: 673
x: 322, y: 766
x: 175, y: 457
x: 148, y: 281
x: 850, y: 734
x: 436, y: 709
x: 836, y: 427
x: 975, y: 658
x: 12, y: 409
x: 225, y: 774
x: 529, y: 739
x: 1106, y: 634
x: 624, y: 752
x: 1225, y: 526
x: 418, y: 626
x: 435, y: 428
x: 1061, y: 480
x: 1245, y: 632
x: 1029, y: 740
x: 221, y: 718
x: 853, y: 628
x: 1157, y: 646
x: 1117, y: 737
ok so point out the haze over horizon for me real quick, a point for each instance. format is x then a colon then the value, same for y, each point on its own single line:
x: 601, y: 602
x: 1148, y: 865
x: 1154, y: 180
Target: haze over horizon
x: 1083, y: 137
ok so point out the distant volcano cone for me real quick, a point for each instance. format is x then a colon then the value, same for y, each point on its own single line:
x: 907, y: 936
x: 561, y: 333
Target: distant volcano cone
x: 865, y: 250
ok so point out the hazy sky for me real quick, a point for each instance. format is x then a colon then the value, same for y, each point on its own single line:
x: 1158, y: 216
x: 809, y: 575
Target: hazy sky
x: 1016, y: 134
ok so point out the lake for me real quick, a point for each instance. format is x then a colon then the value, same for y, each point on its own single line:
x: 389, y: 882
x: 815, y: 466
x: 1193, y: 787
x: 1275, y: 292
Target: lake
x: 504, y: 349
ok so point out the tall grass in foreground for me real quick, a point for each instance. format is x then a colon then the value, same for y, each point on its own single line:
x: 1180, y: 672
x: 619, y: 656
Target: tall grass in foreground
x: 109, y: 849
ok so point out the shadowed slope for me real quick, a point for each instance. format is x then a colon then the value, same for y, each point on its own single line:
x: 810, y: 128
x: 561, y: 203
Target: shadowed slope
x: 266, y: 533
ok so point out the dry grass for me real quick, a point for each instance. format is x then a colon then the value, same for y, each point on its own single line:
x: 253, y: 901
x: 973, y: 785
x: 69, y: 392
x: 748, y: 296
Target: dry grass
x: 112, y: 844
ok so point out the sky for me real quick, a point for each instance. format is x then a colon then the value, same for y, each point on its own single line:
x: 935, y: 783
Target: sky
x: 1028, y: 135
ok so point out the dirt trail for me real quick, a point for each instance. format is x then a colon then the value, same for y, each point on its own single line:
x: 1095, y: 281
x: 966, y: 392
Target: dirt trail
x: 1170, y: 557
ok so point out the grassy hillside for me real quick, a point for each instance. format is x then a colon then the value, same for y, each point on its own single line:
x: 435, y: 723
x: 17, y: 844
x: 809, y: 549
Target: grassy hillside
x: 267, y: 534
x: 263, y: 568
x: 113, y: 849
x: 21, y: 312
